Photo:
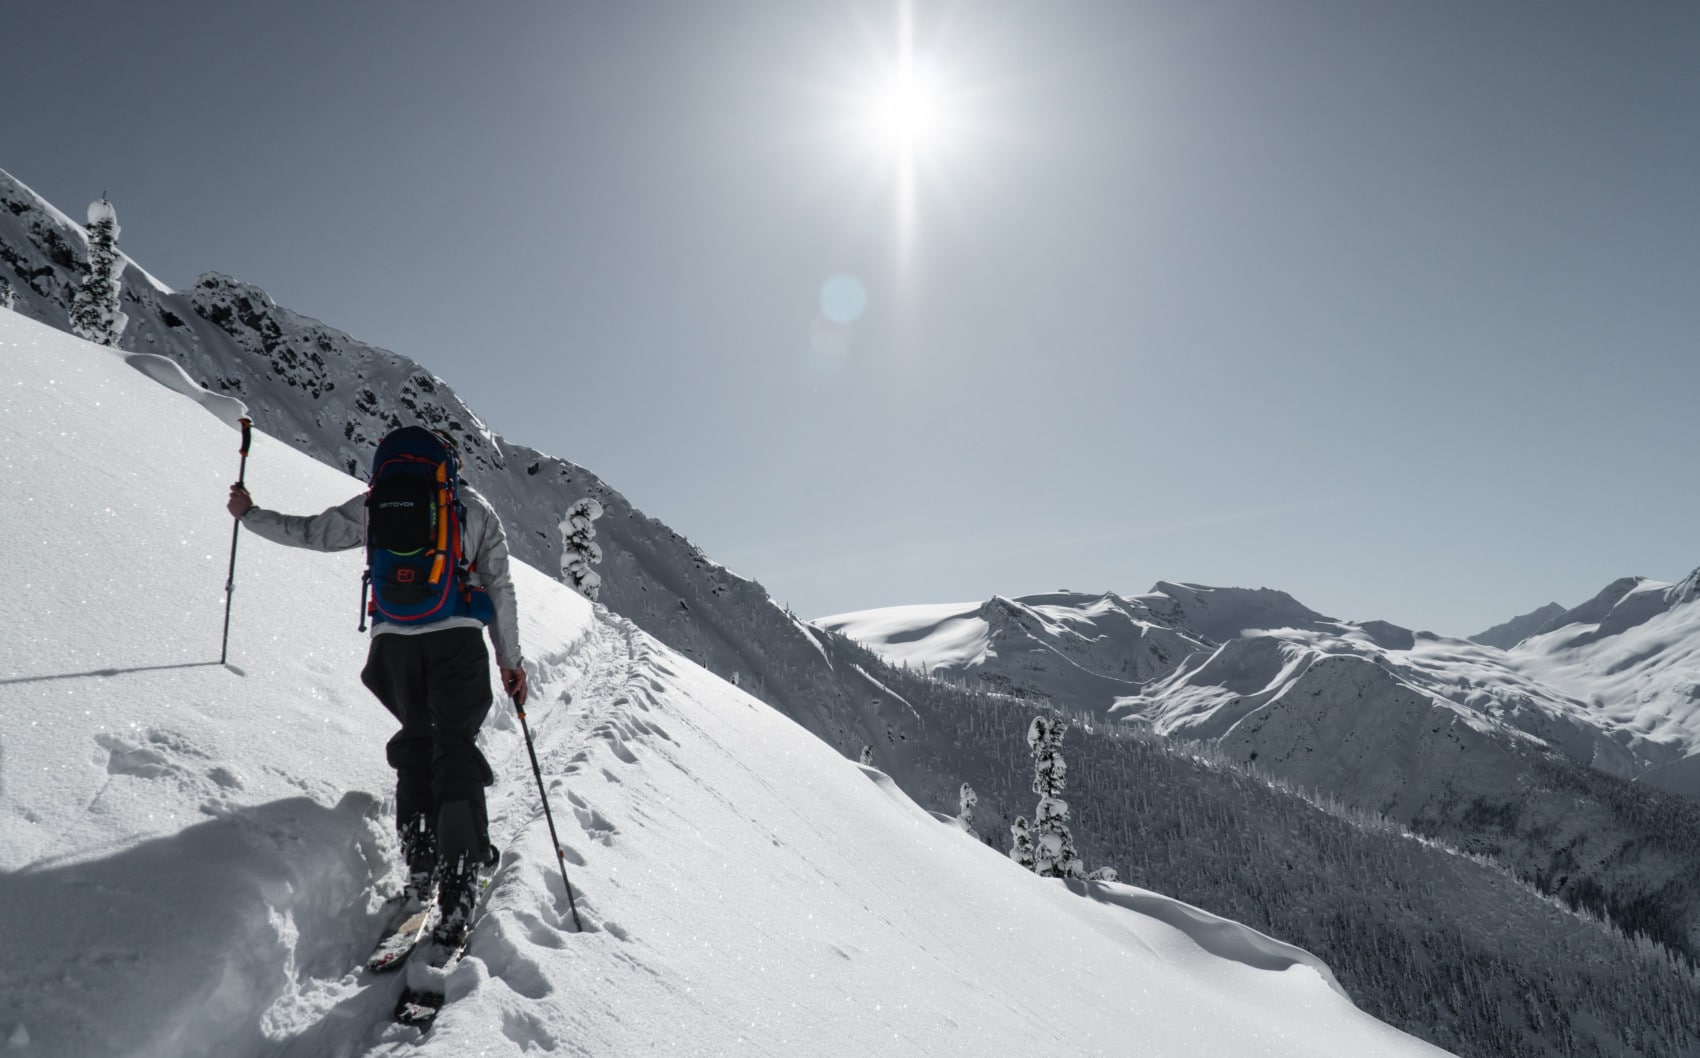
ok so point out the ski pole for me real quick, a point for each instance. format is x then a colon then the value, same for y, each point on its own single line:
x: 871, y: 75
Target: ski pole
x: 560, y: 856
x: 235, y: 530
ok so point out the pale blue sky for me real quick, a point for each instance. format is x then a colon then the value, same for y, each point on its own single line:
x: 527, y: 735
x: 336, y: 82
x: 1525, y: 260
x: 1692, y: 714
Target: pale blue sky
x: 1392, y: 306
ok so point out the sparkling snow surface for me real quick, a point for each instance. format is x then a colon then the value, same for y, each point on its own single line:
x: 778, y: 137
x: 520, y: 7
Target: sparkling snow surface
x: 191, y: 853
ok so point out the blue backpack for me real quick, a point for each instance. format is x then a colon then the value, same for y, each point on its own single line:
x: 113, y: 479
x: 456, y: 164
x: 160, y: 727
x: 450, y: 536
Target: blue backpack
x: 416, y: 569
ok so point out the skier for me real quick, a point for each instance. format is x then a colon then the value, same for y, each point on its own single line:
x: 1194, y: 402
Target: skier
x: 432, y: 673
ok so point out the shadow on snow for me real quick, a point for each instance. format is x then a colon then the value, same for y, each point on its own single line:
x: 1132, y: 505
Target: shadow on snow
x: 238, y: 936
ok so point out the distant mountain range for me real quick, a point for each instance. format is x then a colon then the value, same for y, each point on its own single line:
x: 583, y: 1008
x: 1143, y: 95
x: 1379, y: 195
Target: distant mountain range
x: 1446, y: 736
x: 1613, y: 684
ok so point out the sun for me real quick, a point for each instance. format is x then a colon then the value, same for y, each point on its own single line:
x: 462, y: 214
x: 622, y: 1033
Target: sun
x: 914, y: 115
x: 910, y: 103
x: 911, y: 120
x: 909, y: 113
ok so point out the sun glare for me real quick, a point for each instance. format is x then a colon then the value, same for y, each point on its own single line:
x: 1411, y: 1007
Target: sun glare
x: 913, y: 117
x: 909, y: 111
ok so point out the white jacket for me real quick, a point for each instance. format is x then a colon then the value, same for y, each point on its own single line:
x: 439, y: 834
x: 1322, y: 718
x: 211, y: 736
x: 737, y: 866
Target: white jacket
x: 344, y: 526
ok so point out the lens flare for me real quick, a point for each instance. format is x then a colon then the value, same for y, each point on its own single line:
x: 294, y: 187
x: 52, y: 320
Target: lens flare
x: 843, y: 299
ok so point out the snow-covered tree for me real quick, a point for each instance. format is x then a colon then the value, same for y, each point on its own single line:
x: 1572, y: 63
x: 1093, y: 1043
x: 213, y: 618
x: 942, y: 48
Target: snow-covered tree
x: 1053, y: 845
x: 868, y: 756
x: 966, y: 800
x: 7, y: 299
x: 1022, y: 850
x: 95, y: 312
x: 579, y: 550
x: 1104, y: 874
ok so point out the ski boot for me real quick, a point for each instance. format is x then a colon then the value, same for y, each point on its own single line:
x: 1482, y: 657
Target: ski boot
x: 457, y: 897
x: 419, y: 850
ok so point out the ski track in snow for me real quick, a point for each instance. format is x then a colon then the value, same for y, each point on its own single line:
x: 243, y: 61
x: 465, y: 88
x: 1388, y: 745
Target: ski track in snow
x: 327, y: 1005
x: 582, y: 710
x: 587, y: 720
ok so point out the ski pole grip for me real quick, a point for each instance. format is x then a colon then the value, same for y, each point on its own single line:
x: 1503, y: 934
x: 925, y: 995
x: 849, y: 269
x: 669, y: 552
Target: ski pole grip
x: 247, y: 432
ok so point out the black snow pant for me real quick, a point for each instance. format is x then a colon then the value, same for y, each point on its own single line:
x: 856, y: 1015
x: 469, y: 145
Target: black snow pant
x: 438, y: 685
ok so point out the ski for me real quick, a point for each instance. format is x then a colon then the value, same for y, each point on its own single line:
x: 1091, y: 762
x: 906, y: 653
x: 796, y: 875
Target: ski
x: 419, y: 1005
x: 405, y: 929
x: 418, y: 1009
x: 429, y: 964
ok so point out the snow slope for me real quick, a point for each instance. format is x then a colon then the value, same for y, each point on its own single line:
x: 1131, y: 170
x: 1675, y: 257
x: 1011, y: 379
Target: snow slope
x: 1633, y: 654
x: 331, y: 396
x: 191, y: 851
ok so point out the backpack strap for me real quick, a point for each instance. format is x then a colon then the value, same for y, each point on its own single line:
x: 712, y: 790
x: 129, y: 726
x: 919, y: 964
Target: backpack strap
x: 366, y: 575
x: 445, y: 500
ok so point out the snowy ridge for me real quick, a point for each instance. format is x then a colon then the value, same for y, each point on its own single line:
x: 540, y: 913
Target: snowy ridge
x: 1196, y: 661
x: 1509, y: 634
x: 742, y: 886
x: 332, y: 396
x: 1082, y: 649
x: 19, y: 201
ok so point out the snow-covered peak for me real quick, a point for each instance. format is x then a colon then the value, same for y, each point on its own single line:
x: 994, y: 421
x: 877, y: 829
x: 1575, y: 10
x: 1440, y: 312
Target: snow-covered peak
x: 1224, y: 613
x: 1636, y: 591
x: 1507, y: 635
x: 947, y: 636
x: 1632, y: 653
x: 1078, y: 651
x: 1684, y: 591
